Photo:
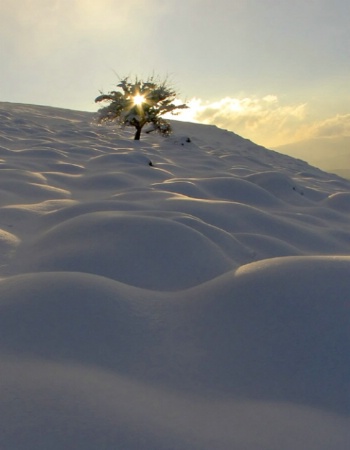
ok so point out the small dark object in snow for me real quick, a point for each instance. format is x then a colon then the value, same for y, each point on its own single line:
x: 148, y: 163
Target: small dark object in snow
x: 301, y: 192
x: 186, y: 140
x: 150, y: 163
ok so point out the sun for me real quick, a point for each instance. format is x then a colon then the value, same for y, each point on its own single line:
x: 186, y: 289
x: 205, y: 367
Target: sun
x: 138, y: 99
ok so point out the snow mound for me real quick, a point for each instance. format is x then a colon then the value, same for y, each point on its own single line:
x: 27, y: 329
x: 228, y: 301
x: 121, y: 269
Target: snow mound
x: 88, y: 352
x: 149, y: 252
x: 339, y: 201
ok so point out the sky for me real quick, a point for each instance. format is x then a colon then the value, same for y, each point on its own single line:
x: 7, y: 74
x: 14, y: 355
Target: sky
x: 273, y: 71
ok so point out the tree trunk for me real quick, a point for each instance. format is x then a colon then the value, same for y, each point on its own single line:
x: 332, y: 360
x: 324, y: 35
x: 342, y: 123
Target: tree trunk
x: 138, y: 133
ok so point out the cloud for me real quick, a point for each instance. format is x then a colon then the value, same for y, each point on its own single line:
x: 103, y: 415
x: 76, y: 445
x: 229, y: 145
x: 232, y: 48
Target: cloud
x: 264, y: 120
x: 337, y: 126
x: 267, y: 120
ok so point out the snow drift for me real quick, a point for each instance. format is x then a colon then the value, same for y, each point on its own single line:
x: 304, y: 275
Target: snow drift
x: 186, y: 293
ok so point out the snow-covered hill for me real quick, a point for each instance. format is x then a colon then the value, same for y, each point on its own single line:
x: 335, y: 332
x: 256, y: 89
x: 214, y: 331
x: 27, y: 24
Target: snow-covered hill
x: 189, y: 293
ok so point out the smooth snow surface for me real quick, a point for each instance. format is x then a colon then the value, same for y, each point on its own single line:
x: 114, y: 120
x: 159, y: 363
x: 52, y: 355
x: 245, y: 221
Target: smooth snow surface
x: 189, y: 293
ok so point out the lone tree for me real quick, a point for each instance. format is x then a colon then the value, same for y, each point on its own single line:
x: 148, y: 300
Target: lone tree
x: 138, y: 103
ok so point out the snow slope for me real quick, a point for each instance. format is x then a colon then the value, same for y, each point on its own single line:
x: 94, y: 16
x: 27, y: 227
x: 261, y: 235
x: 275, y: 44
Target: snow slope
x: 190, y: 293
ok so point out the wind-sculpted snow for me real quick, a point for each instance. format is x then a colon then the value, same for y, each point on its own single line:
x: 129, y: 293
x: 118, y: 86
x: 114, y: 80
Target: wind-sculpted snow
x: 139, y: 250
x: 182, y: 293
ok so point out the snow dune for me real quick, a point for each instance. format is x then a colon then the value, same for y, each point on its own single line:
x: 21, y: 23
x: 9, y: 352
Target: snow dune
x: 190, y: 293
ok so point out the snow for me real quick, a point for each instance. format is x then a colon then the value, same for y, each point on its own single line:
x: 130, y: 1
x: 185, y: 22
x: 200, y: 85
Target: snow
x: 188, y: 293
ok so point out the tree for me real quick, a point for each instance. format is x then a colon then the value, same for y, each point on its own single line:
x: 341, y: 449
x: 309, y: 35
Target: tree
x: 138, y: 103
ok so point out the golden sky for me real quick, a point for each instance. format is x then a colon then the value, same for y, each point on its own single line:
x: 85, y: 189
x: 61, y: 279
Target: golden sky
x: 273, y: 71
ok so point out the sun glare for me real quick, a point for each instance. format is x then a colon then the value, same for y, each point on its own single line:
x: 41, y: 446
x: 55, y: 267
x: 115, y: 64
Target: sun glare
x: 139, y: 99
